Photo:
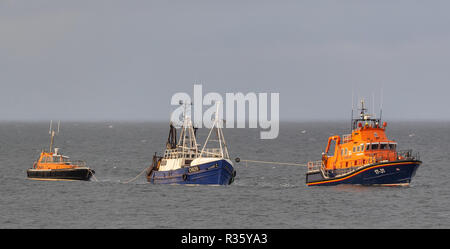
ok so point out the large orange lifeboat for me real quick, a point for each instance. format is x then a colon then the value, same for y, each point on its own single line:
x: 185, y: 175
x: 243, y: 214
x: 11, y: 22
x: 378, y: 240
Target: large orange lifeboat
x: 366, y: 157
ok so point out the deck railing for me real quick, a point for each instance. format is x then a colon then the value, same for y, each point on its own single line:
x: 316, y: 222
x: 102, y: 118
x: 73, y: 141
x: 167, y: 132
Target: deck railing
x: 315, y: 166
x: 77, y: 163
x: 181, y: 153
x: 192, y: 153
x: 212, y: 152
x: 407, y: 155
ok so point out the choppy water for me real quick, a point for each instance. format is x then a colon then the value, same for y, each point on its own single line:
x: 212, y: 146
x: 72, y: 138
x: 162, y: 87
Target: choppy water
x: 263, y: 196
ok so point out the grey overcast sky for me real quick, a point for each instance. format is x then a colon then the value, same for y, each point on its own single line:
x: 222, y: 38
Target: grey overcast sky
x: 123, y: 60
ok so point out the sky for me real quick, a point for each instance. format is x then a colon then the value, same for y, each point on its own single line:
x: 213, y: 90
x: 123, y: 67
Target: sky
x: 124, y: 60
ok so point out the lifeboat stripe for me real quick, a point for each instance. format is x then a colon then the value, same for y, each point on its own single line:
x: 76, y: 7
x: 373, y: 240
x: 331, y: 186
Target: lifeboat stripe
x: 356, y: 173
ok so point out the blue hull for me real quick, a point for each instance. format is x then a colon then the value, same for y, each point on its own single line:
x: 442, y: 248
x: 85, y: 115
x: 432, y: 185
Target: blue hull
x: 218, y: 172
x: 396, y: 173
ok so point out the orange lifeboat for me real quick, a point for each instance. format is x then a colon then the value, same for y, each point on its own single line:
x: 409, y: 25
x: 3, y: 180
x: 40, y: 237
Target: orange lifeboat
x: 52, y: 165
x: 366, y: 157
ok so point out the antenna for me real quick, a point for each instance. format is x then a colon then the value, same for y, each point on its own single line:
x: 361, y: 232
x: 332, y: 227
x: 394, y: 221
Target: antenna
x: 351, y: 122
x: 381, y: 103
x: 373, y: 104
x: 353, y: 99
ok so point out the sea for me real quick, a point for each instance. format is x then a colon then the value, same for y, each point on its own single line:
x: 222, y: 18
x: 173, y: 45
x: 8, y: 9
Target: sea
x: 262, y: 196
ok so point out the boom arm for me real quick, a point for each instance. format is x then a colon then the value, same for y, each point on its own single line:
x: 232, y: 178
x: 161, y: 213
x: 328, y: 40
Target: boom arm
x: 338, y: 142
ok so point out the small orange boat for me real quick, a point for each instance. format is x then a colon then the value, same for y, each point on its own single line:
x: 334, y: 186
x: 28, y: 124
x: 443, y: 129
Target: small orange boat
x: 52, y: 165
x: 365, y: 157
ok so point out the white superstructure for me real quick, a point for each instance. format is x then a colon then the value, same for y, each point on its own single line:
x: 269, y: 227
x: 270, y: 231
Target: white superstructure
x: 186, y: 152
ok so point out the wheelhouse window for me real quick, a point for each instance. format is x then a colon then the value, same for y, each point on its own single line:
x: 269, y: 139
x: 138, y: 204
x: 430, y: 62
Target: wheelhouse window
x: 374, y: 146
x: 392, y: 146
x: 383, y: 146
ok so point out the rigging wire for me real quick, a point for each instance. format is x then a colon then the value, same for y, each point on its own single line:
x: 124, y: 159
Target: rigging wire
x: 277, y: 163
x: 136, y: 177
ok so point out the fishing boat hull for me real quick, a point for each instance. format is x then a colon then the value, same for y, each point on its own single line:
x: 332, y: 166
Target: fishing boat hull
x: 397, y: 173
x: 83, y: 174
x: 219, y: 172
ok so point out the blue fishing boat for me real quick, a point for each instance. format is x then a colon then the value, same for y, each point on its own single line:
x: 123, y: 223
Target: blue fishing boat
x: 185, y: 163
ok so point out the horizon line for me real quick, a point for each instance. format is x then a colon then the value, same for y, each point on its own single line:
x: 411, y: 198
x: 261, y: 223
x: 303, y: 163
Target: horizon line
x: 163, y: 121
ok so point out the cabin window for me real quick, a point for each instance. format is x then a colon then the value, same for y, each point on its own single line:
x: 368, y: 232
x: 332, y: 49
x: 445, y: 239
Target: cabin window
x: 374, y: 146
x: 342, y: 152
x: 354, y: 149
x: 368, y: 147
x: 392, y: 146
x: 346, y: 151
x: 357, y: 148
x: 383, y: 146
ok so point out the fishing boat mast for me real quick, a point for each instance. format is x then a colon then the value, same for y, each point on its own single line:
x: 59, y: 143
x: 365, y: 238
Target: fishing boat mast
x: 217, y: 127
x: 188, y: 141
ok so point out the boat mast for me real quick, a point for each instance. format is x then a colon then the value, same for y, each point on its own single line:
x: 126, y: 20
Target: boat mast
x: 52, y: 134
x: 363, y: 109
x: 184, y: 131
x: 221, y: 139
x: 187, y: 133
x: 216, y: 122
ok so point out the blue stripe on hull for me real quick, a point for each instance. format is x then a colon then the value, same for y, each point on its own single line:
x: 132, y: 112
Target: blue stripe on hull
x: 213, y: 173
x: 392, y: 173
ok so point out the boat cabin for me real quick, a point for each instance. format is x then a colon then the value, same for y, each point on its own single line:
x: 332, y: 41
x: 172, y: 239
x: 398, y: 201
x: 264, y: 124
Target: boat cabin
x: 49, y: 160
x: 366, y: 144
